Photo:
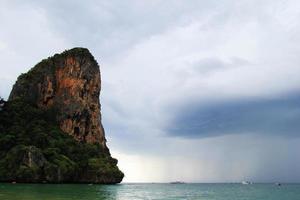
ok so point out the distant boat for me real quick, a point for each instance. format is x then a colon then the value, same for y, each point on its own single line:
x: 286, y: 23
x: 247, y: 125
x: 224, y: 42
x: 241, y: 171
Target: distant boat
x: 177, y: 182
x: 246, y: 182
x: 278, y: 184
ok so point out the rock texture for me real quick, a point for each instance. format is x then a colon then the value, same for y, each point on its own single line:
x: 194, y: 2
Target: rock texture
x: 69, y: 82
x: 51, y: 128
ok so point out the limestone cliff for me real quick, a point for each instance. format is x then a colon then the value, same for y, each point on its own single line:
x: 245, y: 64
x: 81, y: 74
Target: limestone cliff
x: 70, y: 82
x: 51, y: 128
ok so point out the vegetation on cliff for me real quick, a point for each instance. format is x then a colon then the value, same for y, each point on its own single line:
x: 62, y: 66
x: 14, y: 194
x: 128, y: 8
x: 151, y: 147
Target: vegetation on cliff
x: 50, y: 128
x: 34, y: 149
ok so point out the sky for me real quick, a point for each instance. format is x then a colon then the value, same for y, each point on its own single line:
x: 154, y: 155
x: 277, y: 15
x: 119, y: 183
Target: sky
x: 195, y: 90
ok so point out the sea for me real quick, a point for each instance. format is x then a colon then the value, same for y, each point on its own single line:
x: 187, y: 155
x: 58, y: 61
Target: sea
x: 130, y: 191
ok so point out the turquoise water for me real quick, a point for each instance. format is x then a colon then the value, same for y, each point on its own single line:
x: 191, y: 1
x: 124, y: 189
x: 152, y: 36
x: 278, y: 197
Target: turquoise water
x: 149, y: 191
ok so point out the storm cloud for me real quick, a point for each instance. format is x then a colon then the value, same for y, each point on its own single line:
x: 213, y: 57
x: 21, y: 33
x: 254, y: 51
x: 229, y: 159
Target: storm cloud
x: 275, y: 116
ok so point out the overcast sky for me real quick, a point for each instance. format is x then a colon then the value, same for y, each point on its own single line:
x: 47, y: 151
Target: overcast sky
x: 198, y: 91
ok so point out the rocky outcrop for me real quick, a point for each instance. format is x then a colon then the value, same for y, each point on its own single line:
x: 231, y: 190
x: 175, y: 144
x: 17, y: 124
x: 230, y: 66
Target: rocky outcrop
x: 51, y: 128
x: 69, y: 82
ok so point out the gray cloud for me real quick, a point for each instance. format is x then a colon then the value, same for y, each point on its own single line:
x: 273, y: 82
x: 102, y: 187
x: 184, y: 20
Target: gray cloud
x: 214, y: 64
x: 279, y: 116
x: 110, y: 27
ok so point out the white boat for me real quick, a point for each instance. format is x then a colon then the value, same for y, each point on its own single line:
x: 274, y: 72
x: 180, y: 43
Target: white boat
x: 246, y: 182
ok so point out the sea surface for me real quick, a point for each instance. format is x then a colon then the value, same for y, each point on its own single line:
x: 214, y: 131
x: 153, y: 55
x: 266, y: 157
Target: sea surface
x: 227, y: 191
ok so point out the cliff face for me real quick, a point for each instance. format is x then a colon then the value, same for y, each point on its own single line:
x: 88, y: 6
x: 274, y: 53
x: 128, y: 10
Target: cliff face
x: 69, y: 82
x: 51, y: 128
